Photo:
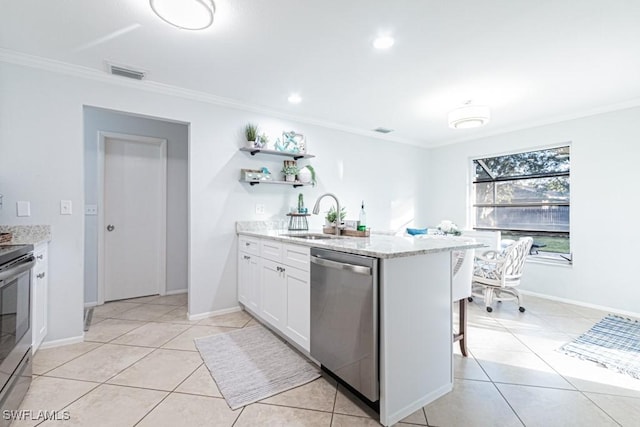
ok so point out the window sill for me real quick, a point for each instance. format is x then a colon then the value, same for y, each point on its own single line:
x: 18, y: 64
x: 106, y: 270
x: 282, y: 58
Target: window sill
x: 548, y: 260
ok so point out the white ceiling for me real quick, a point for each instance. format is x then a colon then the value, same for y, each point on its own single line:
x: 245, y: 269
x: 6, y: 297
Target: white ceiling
x: 532, y: 62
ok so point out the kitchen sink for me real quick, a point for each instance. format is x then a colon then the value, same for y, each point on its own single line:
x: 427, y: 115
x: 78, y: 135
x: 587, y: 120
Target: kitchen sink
x: 311, y: 236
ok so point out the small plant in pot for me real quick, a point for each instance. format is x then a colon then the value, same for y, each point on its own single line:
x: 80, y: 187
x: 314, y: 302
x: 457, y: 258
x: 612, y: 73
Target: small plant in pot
x: 331, y: 216
x: 290, y: 172
x: 251, y: 132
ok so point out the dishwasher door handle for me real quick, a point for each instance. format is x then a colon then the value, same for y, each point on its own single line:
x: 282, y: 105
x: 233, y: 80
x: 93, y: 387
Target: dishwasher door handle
x: 358, y: 269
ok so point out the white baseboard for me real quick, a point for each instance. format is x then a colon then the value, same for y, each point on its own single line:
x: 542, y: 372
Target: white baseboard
x: 60, y: 343
x: 177, y: 292
x: 90, y: 304
x: 580, y: 303
x: 214, y: 313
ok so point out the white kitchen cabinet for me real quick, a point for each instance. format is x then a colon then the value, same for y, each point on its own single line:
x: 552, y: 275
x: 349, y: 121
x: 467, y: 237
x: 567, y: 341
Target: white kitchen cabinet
x: 297, y: 283
x: 249, y: 280
x: 40, y: 296
x: 249, y: 272
x: 273, y: 293
x: 276, y: 286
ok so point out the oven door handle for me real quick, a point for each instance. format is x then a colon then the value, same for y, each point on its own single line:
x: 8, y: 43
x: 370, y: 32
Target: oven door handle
x: 16, y: 270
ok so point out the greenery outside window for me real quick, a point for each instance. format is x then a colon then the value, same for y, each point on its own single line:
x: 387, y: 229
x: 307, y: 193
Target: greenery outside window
x: 526, y: 194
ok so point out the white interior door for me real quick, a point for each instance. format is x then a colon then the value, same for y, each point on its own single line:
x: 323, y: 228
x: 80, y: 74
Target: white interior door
x: 134, y: 220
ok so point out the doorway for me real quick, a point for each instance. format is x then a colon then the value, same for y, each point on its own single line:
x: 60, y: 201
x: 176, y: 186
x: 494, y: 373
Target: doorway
x: 132, y: 222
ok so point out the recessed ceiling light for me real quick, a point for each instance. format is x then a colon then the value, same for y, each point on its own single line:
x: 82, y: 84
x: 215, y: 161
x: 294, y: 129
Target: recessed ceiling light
x: 294, y: 98
x: 383, y: 42
x: 187, y: 15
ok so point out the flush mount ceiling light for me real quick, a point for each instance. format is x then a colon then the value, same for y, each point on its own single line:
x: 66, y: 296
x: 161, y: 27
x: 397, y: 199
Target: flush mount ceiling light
x: 469, y: 116
x: 294, y: 98
x: 383, y: 42
x: 185, y: 14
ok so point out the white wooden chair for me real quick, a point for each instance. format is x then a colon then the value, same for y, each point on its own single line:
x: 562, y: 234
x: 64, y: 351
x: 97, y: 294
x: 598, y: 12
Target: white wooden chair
x: 497, y: 273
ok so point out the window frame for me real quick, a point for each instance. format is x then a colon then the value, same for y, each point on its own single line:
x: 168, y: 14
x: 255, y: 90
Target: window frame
x: 541, y: 256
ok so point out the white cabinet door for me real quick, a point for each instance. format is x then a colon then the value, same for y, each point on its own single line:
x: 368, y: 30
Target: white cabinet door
x: 40, y: 296
x: 273, y: 293
x: 249, y: 281
x: 298, y: 305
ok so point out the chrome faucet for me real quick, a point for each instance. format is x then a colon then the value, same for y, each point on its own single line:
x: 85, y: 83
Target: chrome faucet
x: 316, y: 209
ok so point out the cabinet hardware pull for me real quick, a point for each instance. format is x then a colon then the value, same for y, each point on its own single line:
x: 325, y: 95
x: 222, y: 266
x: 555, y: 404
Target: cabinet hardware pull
x: 40, y: 276
x: 247, y: 244
x: 40, y: 256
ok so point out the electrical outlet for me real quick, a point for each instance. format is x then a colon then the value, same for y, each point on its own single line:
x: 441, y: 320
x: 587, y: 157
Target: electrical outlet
x: 260, y: 208
x: 91, y: 209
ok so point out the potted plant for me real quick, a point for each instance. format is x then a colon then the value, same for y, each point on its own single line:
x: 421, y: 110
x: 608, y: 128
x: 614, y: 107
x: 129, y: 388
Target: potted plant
x: 332, y: 216
x: 307, y: 174
x: 251, y: 132
x: 290, y: 171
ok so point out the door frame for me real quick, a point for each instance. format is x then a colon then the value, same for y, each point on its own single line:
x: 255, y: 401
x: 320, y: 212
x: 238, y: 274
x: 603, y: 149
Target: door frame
x: 162, y: 143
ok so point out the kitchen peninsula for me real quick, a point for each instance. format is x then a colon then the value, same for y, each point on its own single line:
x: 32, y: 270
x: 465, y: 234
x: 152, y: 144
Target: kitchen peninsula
x: 414, y: 300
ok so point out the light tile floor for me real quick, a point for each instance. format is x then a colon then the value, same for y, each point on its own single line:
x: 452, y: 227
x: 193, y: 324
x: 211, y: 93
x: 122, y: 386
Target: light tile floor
x: 139, y: 366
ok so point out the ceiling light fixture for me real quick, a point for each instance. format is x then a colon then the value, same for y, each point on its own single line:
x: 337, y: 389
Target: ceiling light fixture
x: 294, y: 98
x: 469, y: 116
x: 383, y: 42
x: 186, y: 15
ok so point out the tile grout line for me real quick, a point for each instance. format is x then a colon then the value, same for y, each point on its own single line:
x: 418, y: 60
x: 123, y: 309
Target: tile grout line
x: 499, y: 391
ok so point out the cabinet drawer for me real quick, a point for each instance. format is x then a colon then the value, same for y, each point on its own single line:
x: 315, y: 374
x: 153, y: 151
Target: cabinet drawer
x: 249, y: 245
x: 296, y: 256
x: 270, y: 249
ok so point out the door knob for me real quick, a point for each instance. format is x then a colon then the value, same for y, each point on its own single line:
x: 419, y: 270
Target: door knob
x: 110, y: 227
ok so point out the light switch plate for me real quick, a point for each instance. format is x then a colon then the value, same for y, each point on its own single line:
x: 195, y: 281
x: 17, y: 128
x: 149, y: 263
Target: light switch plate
x: 23, y: 208
x: 65, y: 207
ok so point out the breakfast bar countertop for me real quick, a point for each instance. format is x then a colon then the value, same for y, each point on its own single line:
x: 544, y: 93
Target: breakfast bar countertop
x: 376, y: 245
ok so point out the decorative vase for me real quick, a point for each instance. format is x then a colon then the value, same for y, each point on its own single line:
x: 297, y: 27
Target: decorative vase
x: 304, y: 175
x: 251, y: 144
x: 289, y: 178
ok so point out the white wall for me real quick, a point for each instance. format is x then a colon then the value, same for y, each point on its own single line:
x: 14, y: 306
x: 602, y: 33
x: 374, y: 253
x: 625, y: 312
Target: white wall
x: 41, y: 159
x: 177, y: 136
x: 604, y: 227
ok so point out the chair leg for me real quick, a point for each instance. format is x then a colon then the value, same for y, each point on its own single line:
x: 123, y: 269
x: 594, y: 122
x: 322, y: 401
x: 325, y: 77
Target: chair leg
x: 463, y: 325
x: 488, y: 298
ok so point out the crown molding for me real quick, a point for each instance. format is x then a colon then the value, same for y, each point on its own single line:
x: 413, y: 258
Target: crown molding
x: 52, y: 65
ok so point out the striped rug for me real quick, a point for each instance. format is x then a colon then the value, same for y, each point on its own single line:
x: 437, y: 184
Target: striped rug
x: 613, y: 342
x: 251, y: 364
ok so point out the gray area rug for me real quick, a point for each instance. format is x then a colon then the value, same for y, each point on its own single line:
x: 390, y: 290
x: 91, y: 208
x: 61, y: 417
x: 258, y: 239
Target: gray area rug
x: 252, y: 364
x: 613, y: 342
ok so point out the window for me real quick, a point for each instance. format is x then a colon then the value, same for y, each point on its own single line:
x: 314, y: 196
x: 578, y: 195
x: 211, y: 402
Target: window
x: 526, y: 194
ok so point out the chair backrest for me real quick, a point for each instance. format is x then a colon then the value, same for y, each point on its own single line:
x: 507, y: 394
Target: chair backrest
x: 462, y: 273
x: 514, y: 257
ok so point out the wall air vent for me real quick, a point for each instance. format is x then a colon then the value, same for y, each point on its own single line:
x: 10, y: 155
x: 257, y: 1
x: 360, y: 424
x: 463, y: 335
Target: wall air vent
x: 383, y: 130
x: 117, y: 70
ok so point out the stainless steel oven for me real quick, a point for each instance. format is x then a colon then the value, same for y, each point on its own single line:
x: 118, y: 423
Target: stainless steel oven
x: 15, y: 325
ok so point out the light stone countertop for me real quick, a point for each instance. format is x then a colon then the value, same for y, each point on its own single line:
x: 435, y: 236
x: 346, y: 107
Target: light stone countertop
x: 378, y: 246
x: 27, y: 234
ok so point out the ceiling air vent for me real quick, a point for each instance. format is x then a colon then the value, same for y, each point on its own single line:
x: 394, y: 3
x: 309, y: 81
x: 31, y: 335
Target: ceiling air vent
x: 126, y: 72
x: 383, y: 130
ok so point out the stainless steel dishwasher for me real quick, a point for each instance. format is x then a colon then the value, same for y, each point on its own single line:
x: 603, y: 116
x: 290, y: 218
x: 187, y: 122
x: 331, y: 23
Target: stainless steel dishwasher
x: 344, y: 318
